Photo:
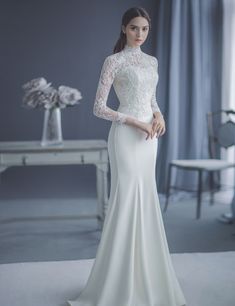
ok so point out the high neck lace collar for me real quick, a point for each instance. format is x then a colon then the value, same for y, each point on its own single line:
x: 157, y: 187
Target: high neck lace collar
x: 129, y: 49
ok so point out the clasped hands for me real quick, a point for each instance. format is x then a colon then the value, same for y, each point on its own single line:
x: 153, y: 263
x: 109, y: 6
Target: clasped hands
x: 156, y: 127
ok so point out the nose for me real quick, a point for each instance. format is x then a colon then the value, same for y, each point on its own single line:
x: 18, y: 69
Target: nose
x: 138, y: 33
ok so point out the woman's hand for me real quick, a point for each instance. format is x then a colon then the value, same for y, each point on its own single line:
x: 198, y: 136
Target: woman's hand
x: 147, y: 128
x: 158, y: 125
x: 143, y: 126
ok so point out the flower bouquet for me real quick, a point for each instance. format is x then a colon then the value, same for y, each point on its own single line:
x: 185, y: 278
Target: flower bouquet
x: 40, y: 94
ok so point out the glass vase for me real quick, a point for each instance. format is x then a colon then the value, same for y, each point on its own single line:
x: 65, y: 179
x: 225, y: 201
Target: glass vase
x: 52, y: 130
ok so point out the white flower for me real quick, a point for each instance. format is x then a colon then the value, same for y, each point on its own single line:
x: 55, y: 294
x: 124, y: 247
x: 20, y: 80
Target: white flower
x: 30, y: 99
x: 38, y: 98
x: 36, y: 84
x: 48, y: 97
x: 39, y: 93
x: 68, y: 96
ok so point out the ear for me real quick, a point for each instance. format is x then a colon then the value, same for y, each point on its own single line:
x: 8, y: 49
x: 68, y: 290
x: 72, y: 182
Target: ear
x: 123, y: 29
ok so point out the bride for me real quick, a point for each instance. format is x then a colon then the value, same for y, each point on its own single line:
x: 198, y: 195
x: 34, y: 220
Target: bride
x: 133, y: 266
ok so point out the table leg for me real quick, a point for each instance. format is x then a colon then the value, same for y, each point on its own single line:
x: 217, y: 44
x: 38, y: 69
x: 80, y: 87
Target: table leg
x: 102, y: 190
x: 99, y: 190
x: 2, y: 168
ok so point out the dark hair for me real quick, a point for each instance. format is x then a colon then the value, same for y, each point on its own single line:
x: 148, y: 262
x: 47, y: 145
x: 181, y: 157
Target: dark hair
x: 126, y: 18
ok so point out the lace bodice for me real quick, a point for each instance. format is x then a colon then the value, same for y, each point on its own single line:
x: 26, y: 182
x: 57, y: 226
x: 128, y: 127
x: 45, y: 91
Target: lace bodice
x: 134, y: 76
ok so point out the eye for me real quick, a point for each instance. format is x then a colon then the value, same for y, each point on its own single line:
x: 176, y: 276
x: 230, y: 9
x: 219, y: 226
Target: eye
x: 144, y: 28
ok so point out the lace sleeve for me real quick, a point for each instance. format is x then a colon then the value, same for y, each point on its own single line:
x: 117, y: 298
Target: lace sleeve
x: 154, y: 103
x: 100, y: 108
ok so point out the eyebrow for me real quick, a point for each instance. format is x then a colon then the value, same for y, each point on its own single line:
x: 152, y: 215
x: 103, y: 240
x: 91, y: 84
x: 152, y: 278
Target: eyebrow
x: 139, y: 27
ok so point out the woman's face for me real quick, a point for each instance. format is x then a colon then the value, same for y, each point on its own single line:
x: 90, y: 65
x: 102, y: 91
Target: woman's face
x: 136, y: 31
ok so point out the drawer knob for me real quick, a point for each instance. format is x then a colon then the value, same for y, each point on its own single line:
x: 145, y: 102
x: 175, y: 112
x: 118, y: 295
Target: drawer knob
x: 24, y: 160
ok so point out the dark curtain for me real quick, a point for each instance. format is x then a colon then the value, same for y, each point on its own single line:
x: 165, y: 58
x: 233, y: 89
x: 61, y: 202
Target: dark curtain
x: 189, y: 51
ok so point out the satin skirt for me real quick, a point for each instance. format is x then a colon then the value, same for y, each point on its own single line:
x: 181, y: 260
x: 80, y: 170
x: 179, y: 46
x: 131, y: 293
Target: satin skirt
x: 133, y: 266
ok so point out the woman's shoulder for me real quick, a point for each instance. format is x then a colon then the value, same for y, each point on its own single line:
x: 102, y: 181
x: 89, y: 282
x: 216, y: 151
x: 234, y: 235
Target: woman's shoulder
x: 113, y: 57
x: 152, y: 59
x: 113, y: 60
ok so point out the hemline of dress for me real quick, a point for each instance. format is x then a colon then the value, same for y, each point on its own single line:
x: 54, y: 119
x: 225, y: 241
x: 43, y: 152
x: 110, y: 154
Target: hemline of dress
x: 69, y: 304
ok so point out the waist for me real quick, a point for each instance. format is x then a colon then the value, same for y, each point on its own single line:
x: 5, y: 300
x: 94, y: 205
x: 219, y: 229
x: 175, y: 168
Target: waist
x: 143, y: 114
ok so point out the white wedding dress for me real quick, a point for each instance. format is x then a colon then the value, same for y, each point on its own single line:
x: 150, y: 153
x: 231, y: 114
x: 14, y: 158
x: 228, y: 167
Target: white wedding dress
x: 133, y: 266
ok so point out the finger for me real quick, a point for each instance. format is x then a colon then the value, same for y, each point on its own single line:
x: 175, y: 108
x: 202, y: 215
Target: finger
x: 162, y: 131
x: 152, y: 129
x: 153, y: 132
x: 157, y: 132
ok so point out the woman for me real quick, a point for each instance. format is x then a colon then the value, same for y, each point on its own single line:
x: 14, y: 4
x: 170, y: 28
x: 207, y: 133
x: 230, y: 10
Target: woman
x: 133, y: 265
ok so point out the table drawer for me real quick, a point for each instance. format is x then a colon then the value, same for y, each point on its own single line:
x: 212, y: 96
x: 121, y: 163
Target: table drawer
x: 50, y: 158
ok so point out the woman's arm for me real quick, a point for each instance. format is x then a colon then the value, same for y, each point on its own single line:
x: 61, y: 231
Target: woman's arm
x: 154, y: 104
x: 158, y: 123
x: 106, y: 79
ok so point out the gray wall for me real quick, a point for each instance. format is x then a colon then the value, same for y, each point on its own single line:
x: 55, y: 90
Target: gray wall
x: 65, y: 42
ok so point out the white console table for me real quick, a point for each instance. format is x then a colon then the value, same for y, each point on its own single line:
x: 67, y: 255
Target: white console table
x: 30, y: 153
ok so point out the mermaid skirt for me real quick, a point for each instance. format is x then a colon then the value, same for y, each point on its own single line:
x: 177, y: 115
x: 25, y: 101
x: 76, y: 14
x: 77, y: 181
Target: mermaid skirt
x: 133, y: 266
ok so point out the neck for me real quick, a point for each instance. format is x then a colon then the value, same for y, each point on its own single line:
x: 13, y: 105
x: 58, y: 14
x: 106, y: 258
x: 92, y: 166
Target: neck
x: 132, y: 49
